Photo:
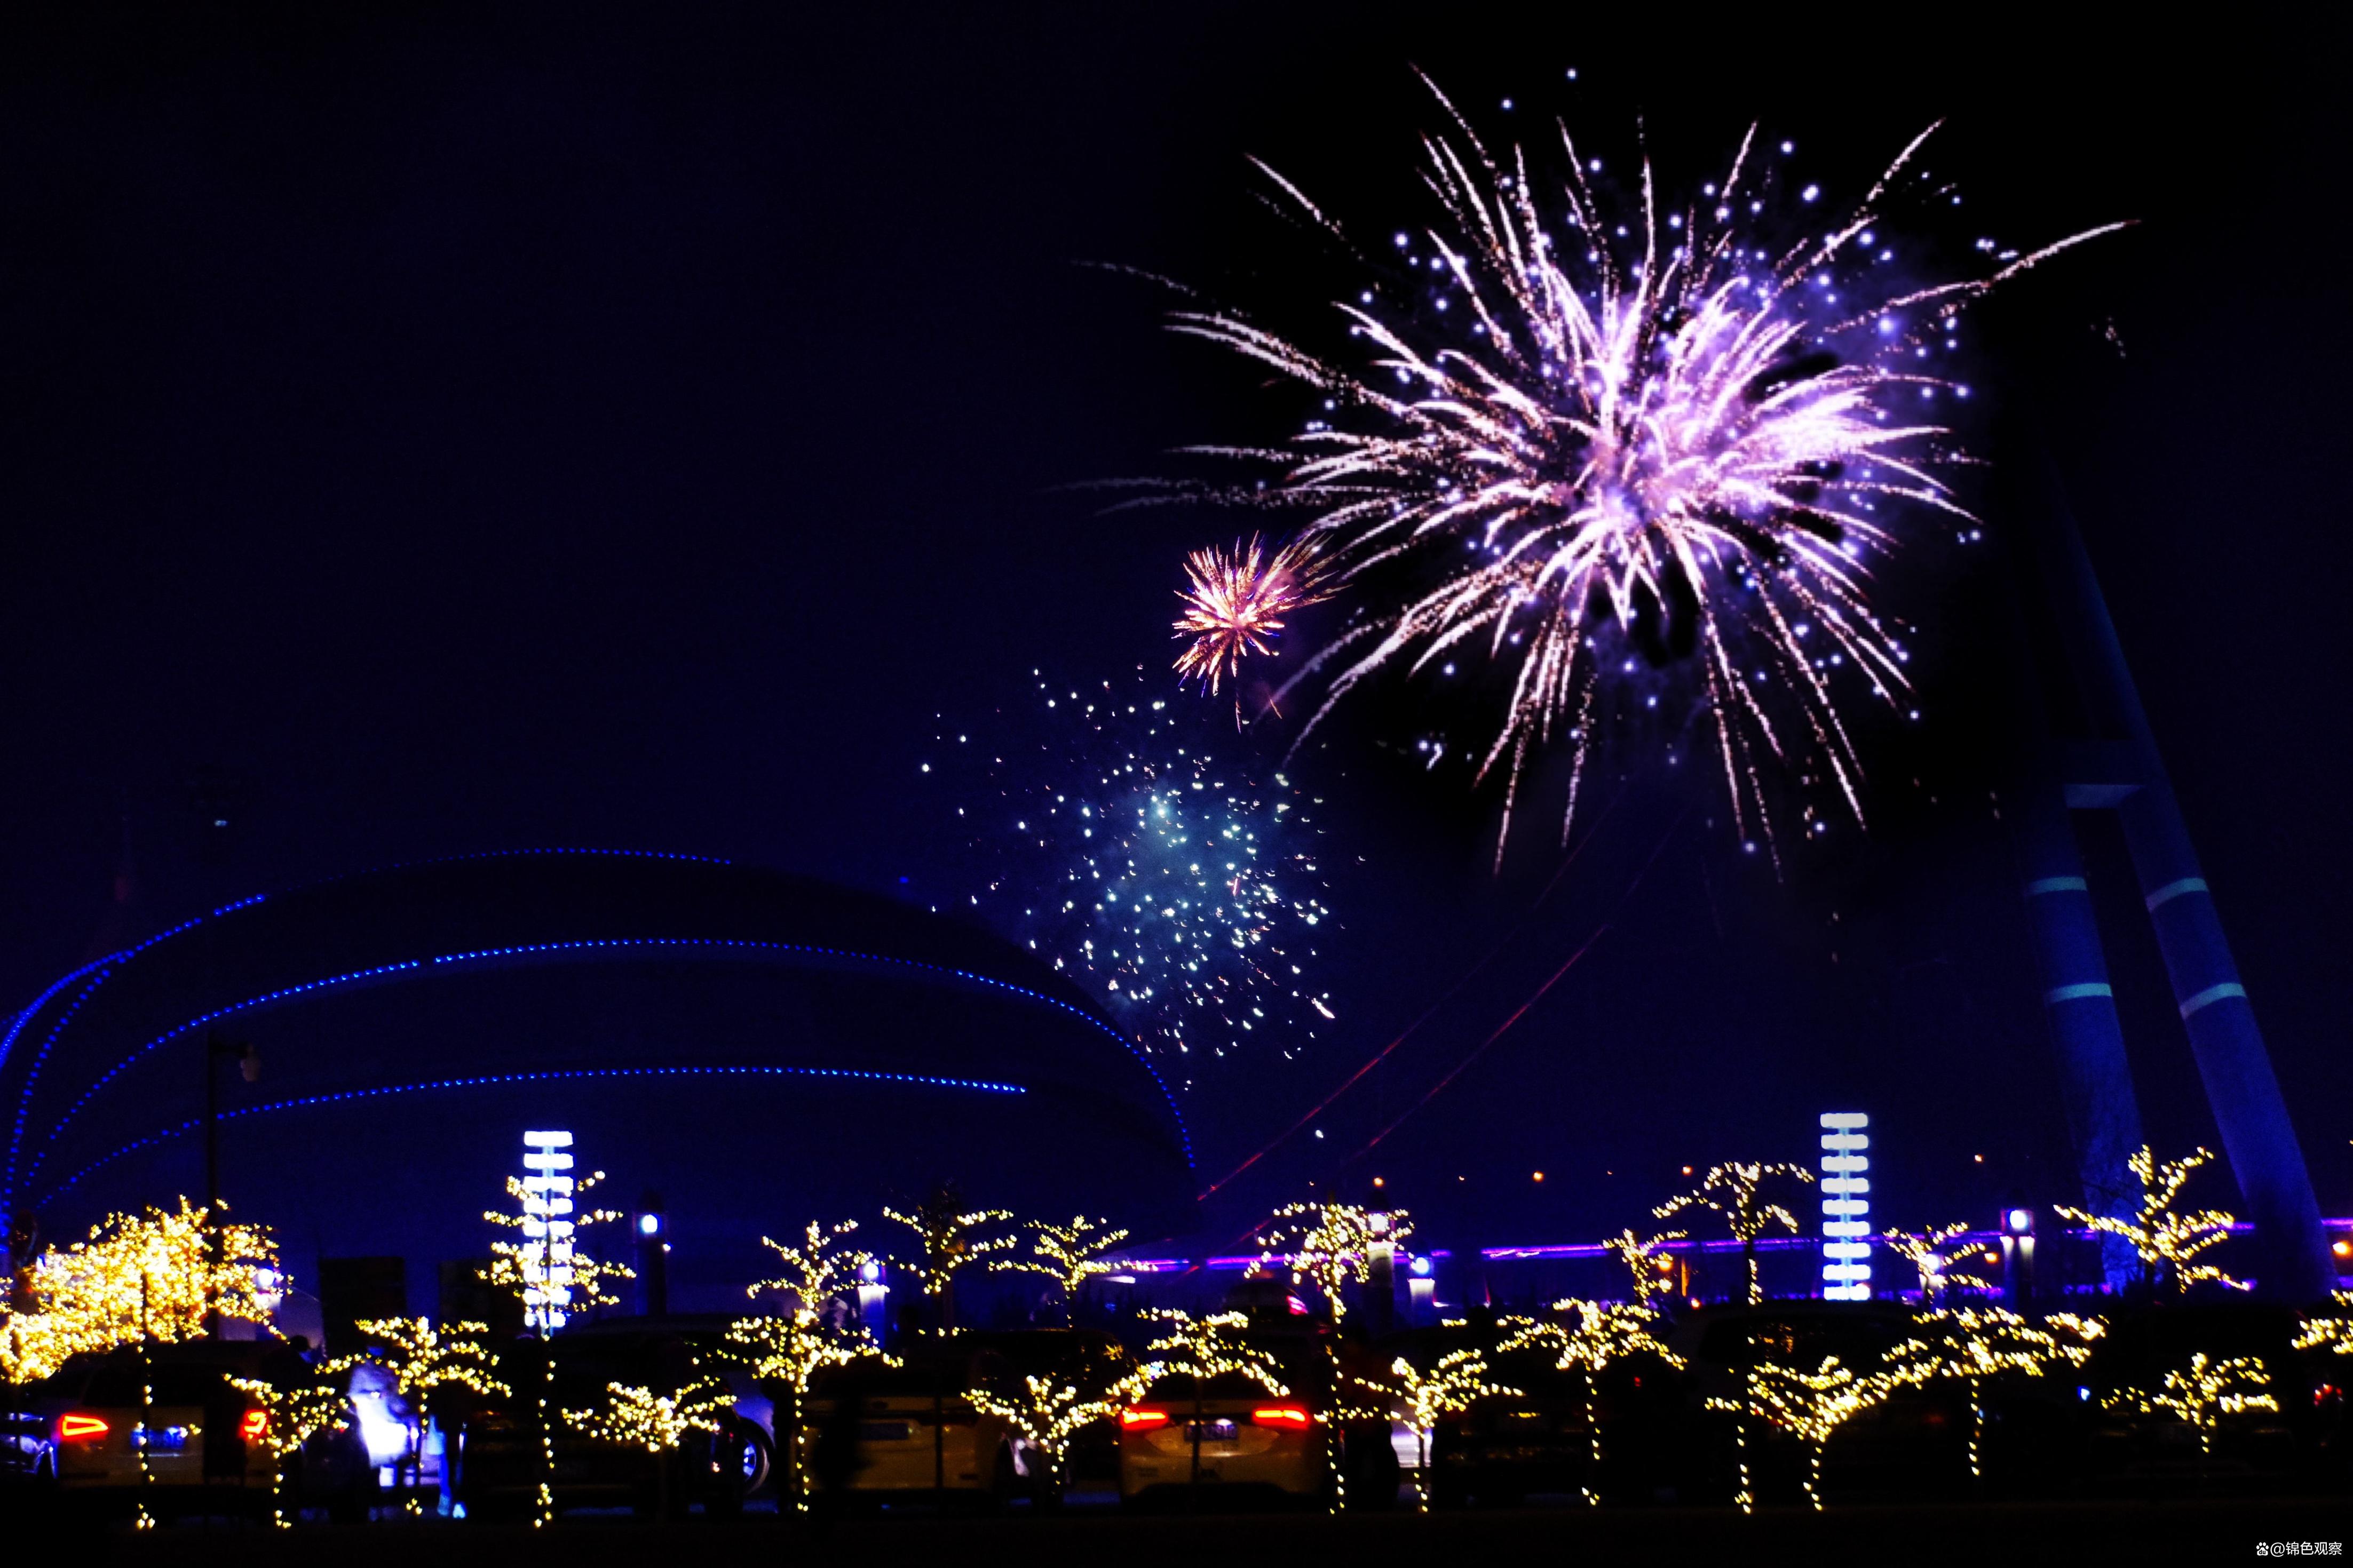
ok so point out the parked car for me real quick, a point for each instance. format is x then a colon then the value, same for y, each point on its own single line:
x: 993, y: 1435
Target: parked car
x: 875, y: 1433
x: 162, y: 1426
x: 500, y: 1462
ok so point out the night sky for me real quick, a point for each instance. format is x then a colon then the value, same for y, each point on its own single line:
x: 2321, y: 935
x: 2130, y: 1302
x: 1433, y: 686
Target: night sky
x: 425, y: 432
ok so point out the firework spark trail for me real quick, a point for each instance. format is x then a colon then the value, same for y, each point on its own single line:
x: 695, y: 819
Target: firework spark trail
x: 1609, y: 449
x: 1235, y: 602
x: 1424, y: 1016
x: 1181, y: 888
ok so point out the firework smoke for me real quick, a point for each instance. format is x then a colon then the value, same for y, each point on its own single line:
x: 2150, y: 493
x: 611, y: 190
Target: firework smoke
x: 1613, y: 454
x: 1181, y: 888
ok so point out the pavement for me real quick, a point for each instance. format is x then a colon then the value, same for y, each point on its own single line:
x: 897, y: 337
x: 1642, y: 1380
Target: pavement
x: 2137, y: 1532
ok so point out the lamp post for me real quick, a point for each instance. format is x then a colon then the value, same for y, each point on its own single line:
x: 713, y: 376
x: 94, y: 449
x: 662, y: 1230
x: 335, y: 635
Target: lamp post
x: 248, y: 1067
x: 2018, y: 1256
x: 653, y: 1258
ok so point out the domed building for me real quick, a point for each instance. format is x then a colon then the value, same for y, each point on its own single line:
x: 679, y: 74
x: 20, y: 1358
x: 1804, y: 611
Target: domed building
x: 759, y: 1049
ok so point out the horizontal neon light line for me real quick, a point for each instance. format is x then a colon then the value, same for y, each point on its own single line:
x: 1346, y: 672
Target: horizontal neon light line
x: 2211, y: 994
x: 488, y: 1080
x: 2090, y: 988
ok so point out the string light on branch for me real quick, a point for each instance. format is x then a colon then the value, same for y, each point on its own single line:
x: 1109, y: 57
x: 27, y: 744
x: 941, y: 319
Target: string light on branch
x: 1733, y: 1191
x: 154, y: 1275
x: 2201, y: 1393
x: 2168, y: 1239
x: 1333, y: 1245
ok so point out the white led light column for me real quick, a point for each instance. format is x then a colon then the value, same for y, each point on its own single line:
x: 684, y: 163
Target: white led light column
x: 1846, y: 1206
x: 547, y: 1226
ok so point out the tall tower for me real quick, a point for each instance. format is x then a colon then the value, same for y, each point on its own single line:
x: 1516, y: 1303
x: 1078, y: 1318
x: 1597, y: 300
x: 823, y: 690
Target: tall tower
x: 2102, y: 757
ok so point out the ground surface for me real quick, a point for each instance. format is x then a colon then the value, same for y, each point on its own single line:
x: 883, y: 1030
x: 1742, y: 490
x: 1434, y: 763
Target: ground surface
x: 2137, y: 1532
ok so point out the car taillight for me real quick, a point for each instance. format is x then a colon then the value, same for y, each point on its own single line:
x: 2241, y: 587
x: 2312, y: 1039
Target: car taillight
x: 79, y: 1429
x: 1285, y: 1416
x: 1142, y: 1420
x: 256, y: 1426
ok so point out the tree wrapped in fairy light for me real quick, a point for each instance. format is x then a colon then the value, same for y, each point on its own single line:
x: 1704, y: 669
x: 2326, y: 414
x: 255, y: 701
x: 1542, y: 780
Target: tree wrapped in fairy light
x: 549, y: 1272
x: 1595, y: 1336
x: 1069, y: 1255
x: 1048, y: 1413
x: 949, y: 1238
x: 424, y: 1361
x: 1936, y: 1260
x: 2200, y: 1394
x: 810, y: 1329
x: 1810, y: 1406
x: 1201, y: 1348
x: 155, y: 1275
x: 2168, y: 1239
x: 1646, y: 1261
x: 1734, y: 1192
x: 634, y: 1416
x: 1332, y: 1245
x: 1403, y: 1392
x: 2327, y: 1331
x: 292, y: 1415
x: 1973, y: 1346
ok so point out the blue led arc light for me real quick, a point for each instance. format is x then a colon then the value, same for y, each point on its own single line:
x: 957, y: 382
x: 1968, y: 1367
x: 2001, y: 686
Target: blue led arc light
x: 558, y: 1075
x: 104, y: 969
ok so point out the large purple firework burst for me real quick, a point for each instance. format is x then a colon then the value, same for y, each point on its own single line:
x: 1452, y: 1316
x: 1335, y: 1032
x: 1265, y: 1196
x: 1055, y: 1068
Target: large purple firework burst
x: 1589, y: 446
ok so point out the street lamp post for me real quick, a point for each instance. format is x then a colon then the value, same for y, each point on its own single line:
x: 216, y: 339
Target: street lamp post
x: 249, y: 1065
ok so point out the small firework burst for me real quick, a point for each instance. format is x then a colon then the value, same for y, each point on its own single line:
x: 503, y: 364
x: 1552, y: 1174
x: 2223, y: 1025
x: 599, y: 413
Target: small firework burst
x: 1235, y: 602
x: 1181, y: 887
x: 1608, y: 459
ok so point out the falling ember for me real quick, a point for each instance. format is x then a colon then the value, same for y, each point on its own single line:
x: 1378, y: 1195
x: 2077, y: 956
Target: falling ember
x: 1235, y: 603
x: 1599, y: 457
x: 1110, y: 837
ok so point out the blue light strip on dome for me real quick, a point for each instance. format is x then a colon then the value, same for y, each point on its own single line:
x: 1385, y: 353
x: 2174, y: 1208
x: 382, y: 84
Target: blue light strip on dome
x: 596, y: 944
x: 492, y: 1080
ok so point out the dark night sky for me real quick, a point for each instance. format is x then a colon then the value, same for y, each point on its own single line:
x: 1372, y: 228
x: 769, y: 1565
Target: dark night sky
x: 424, y: 431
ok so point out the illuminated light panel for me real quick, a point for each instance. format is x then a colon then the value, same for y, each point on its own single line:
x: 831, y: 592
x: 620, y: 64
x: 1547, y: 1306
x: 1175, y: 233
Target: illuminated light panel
x: 1846, y: 1205
x: 545, y: 1253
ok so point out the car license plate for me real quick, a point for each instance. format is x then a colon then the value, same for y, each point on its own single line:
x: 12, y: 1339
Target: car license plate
x: 884, y: 1431
x: 1213, y: 1431
x: 160, y: 1439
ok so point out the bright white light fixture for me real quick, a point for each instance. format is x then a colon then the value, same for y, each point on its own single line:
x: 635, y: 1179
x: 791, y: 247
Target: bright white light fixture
x: 547, y: 1227
x: 1846, y: 1206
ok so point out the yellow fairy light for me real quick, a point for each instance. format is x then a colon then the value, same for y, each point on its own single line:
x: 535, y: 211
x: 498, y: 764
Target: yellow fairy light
x: 1048, y: 1415
x: 1069, y: 1255
x: 1937, y: 1264
x: 790, y: 1346
x: 637, y: 1417
x: 1732, y: 1191
x: 1332, y: 1245
x: 1596, y: 1334
x: 549, y: 1274
x: 294, y: 1415
x: 1422, y: 1399
x: 1207, y: 1347
x: 1974, y: 1344
x: 1644, y: 1260
x: 2332, y: 1334
x: 2168, y: 1239
x: 2201, y: 1393
x: 156, y: 1275
x: 1810, y: 1406
x: 948, y: 1240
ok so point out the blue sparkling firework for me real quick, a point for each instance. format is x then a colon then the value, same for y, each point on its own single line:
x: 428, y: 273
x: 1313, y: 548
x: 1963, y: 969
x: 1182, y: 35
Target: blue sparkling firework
x: 1179, y: 885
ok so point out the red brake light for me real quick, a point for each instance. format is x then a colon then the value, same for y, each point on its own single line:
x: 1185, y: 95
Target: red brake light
x: 256, y: 1426
x: 79, y: 1429
x: 1142, y: 1420
x: 1288, y: 1416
